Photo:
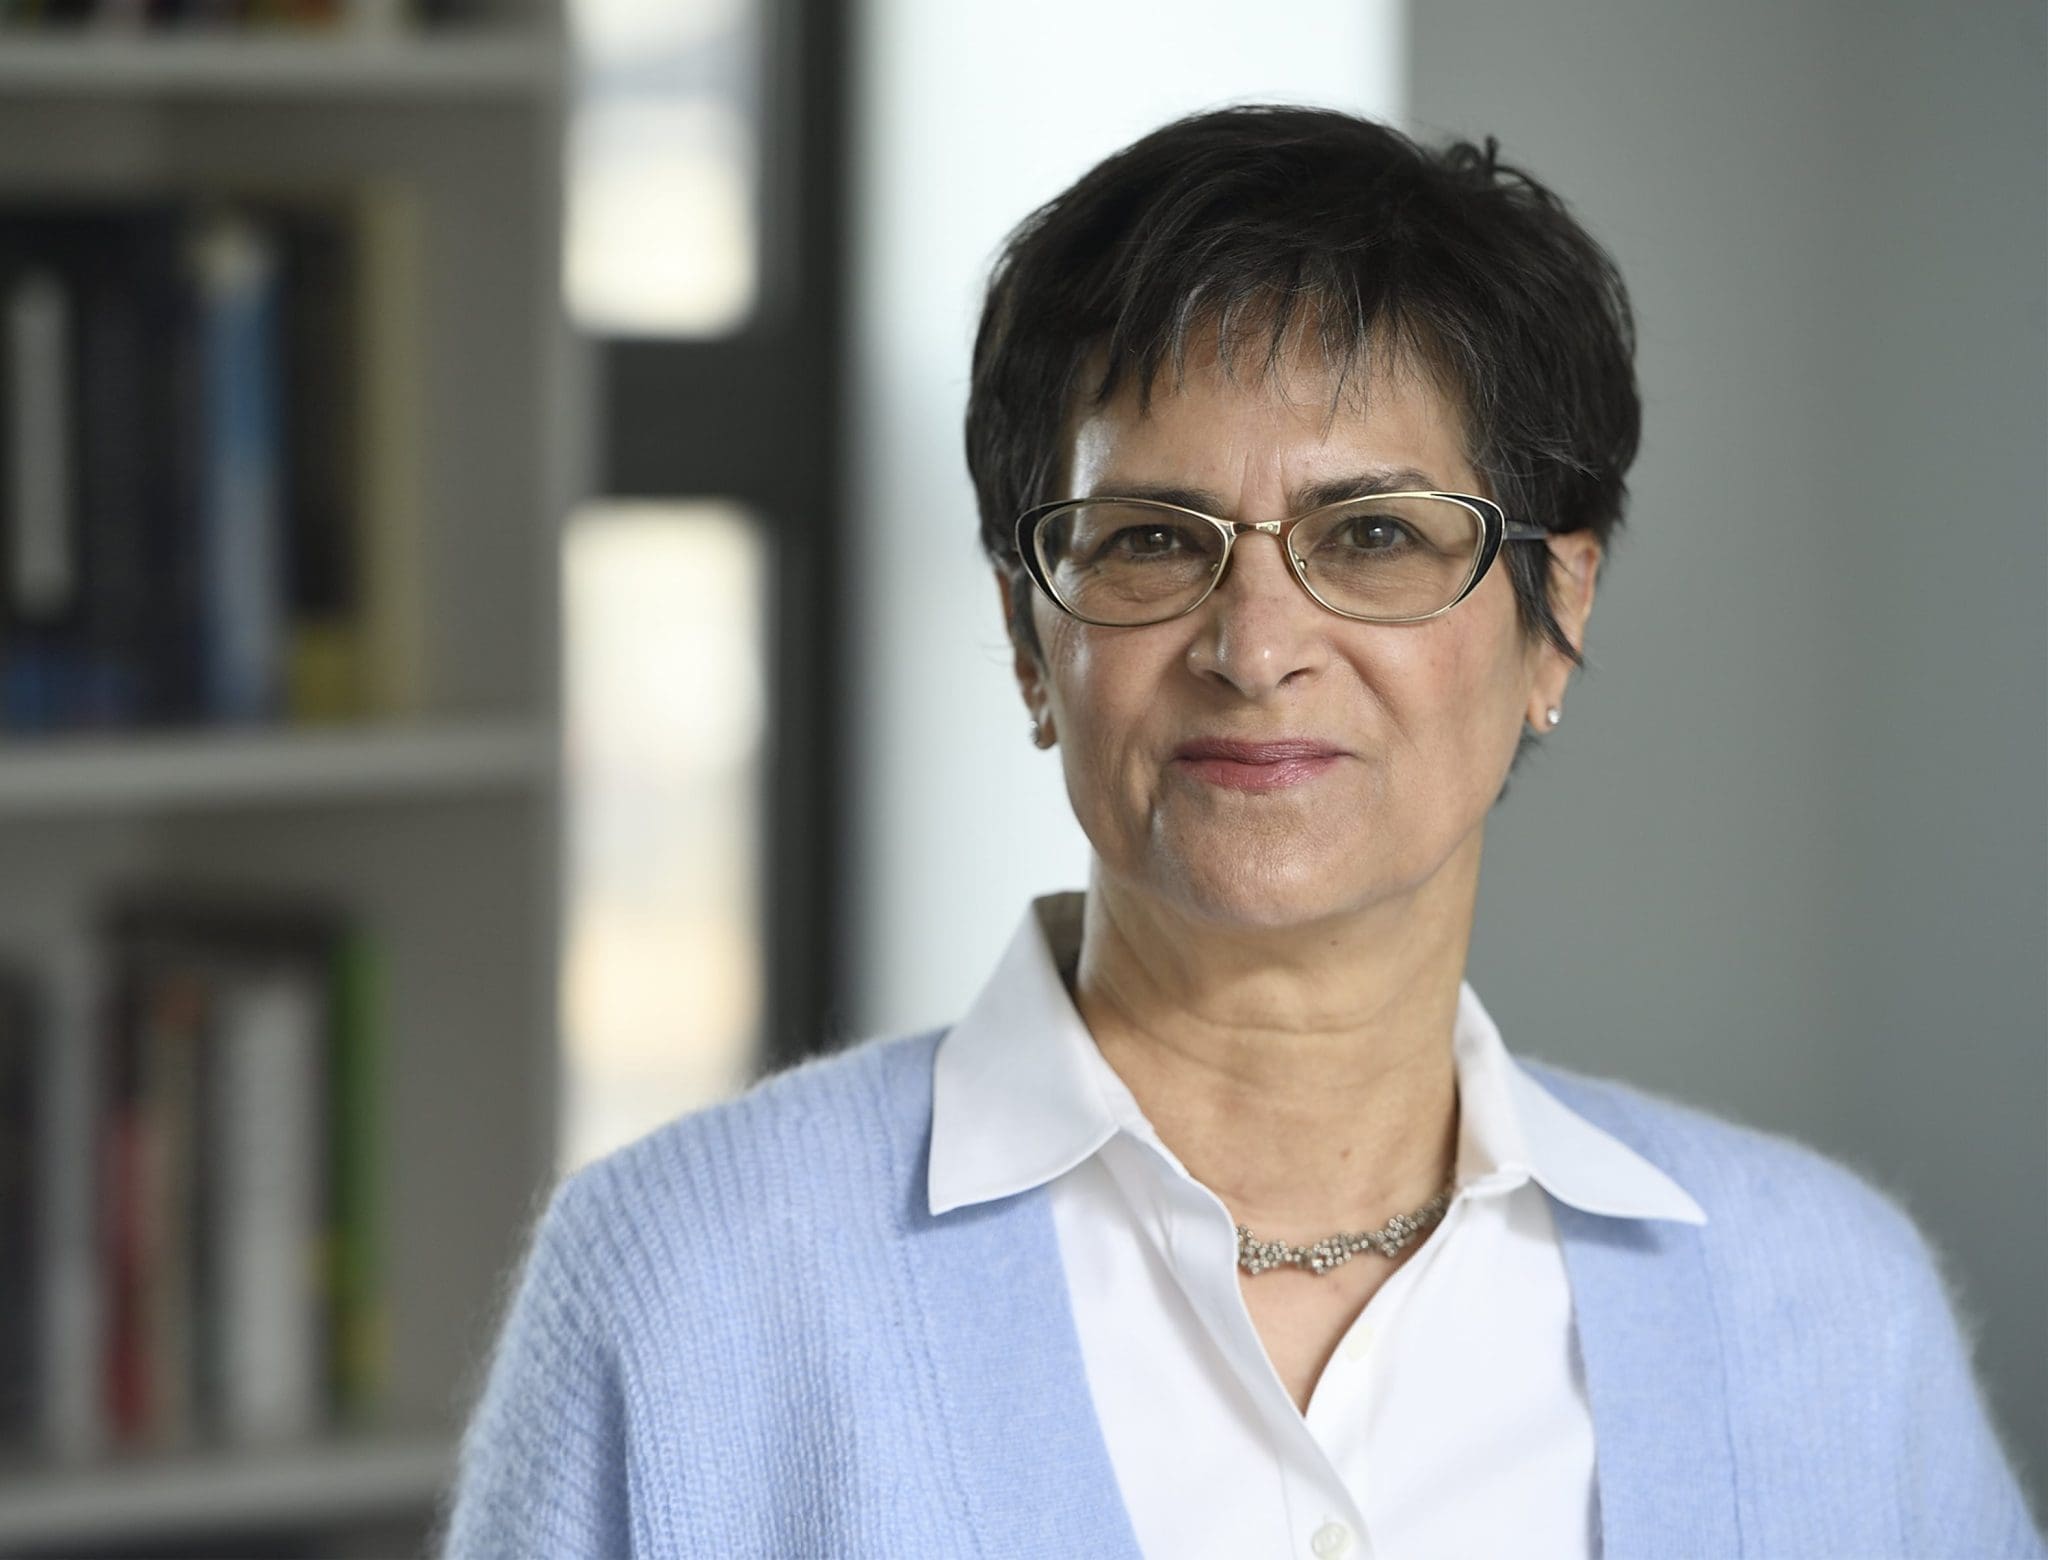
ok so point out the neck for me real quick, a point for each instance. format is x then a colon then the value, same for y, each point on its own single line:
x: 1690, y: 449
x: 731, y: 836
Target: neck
x: 1304, y: 1073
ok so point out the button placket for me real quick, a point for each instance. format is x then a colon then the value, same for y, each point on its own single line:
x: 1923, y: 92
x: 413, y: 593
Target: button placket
x: 1330, y: 1541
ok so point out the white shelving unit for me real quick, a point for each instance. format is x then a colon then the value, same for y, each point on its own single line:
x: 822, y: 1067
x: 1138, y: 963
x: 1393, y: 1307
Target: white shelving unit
x: 159, y: 772
x: 429, y: 67
x: 185, y: 1498
x: 442, y: 833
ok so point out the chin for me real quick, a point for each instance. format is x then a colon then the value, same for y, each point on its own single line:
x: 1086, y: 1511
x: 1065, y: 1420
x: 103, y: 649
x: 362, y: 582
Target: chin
x: 1254, y: 888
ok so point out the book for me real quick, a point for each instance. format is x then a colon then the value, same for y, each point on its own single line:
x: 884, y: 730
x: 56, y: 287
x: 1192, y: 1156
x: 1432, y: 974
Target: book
x: 390, y: 454
x: 21, y: 1066
x: 243, y: 1294
x: 94, y: 430
x: 38, y: 474
x: 79, y: 1013
x: 376, y: 18
x: 172, y: 1013
x: 270, y: 1307
x: 320, y: 404
x: 359, y: 1360
x: 234, y: 266
x: 210, y: 457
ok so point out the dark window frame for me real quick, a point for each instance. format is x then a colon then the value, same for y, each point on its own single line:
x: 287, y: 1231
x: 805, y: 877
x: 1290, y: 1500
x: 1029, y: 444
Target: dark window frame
x: 758, y: 417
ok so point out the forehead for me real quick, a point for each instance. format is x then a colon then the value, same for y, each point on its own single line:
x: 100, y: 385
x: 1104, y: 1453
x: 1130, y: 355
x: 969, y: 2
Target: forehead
x: 1226, y: 427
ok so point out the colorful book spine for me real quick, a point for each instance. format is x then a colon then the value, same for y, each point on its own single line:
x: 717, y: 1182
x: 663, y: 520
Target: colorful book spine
x: 235, y: 271
x: 311, y: 17
x: 360, y: 1361
x: 21, y: 1087
x: 210, y: 458
x: 190, y: 1251
x: 270, y: 1313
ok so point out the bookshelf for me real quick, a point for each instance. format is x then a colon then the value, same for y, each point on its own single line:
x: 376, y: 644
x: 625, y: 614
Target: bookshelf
x: 437, y: 826
x: 192, y: 1498
x: 162, y: 771
x: 509, y: 67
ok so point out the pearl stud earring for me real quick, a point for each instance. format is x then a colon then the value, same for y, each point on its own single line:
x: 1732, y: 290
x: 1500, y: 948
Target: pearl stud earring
x: 1553, y: 714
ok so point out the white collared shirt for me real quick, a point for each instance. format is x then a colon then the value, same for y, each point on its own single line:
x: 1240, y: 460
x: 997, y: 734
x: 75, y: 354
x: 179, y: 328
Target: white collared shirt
x: 1452, y: 1419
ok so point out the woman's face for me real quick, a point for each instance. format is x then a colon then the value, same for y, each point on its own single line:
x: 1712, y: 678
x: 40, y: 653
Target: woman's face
x: 1423, y: 717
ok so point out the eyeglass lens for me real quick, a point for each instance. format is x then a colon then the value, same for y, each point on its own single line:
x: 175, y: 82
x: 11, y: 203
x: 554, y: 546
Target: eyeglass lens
x: 1395, y: 556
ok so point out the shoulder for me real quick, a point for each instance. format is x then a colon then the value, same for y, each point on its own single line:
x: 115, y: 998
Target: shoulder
x: 1814, y: 1267
x: 1747, y: 1178
x: 668, y: 1280
x: 796, y: 1113
x: 820, y: 1144
x: 1799, y: 1243
x: 1826, y: 1293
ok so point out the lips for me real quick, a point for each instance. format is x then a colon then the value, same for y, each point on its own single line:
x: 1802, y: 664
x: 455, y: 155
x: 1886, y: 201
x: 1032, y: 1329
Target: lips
x: 1256, y: 766
x: 1256, y: 752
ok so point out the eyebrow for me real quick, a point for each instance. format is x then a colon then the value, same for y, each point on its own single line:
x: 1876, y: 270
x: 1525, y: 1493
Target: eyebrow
x: 1360, y: 484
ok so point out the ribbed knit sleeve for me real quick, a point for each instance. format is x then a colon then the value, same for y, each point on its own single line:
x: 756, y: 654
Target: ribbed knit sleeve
x: 542, y: 1467
x: 1965, y: 1499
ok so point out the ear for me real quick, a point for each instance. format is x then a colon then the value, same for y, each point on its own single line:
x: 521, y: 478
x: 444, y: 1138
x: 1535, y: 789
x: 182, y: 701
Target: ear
x: 1573, y: 576
x: 1030, y: 675
x: 1579, y: 552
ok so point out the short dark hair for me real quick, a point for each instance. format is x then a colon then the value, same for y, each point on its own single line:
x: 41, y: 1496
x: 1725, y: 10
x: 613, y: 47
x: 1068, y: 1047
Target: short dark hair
x: 1280, y: 215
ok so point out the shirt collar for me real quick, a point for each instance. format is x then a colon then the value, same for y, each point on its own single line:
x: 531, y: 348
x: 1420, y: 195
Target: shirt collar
x: 1021, y: 1094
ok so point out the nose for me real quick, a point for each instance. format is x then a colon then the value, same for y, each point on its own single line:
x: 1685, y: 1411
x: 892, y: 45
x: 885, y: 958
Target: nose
x: 1259, y: 628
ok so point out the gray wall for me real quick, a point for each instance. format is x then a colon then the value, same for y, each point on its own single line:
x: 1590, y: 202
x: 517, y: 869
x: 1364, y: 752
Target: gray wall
x: 1787, y: 856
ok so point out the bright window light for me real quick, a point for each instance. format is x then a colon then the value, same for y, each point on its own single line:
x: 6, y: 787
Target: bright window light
x: 665, y: 717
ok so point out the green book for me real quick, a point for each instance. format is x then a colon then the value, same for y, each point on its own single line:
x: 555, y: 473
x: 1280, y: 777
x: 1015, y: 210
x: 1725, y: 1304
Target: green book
x: 360, y: 1333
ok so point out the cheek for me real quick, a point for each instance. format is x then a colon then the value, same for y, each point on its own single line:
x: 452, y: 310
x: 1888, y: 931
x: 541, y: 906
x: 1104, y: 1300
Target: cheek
x: 1467, y: 691
x: 1108, y: 697
x: 1497, y: 694
x: 1103, y: 679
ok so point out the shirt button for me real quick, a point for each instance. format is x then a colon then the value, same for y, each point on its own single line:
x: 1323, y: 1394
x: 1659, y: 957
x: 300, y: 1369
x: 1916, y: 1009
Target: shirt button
x: 1330, y: 1540
x: 1359, y: 1343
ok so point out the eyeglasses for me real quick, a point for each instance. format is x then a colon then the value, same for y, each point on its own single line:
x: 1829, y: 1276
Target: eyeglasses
x: 1385, y: 558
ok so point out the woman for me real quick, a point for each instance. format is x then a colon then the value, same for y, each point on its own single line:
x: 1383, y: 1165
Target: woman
x: 1224, y: 1223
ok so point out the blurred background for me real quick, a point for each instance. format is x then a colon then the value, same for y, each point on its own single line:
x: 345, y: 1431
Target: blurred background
x: 494, y: 651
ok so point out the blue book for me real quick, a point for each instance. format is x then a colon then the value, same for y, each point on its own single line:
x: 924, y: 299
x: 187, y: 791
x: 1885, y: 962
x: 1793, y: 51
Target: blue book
x: 241, y: 521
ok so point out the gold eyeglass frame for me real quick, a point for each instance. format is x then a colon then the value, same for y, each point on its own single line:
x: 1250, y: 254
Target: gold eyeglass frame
x: 1495, y: 529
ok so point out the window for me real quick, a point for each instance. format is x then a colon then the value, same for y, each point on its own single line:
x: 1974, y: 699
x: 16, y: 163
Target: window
x: 662, y: 237
x: 703, y: 261
x: 665, y: 689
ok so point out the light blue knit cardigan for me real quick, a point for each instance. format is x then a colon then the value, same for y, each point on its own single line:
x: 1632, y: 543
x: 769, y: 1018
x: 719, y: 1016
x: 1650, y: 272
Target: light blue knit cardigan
x: 746, y: 1335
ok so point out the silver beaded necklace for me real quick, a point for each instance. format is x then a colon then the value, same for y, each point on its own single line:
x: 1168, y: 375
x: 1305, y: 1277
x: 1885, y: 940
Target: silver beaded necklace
x: 1255, y: 1255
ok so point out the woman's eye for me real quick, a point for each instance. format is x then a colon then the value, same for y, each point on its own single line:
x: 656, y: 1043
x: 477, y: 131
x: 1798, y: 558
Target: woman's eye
x: 1372, y: 535
x: 1144, y: 540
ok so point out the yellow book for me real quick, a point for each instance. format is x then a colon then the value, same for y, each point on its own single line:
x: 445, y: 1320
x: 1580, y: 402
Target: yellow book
x: 391, y: 453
